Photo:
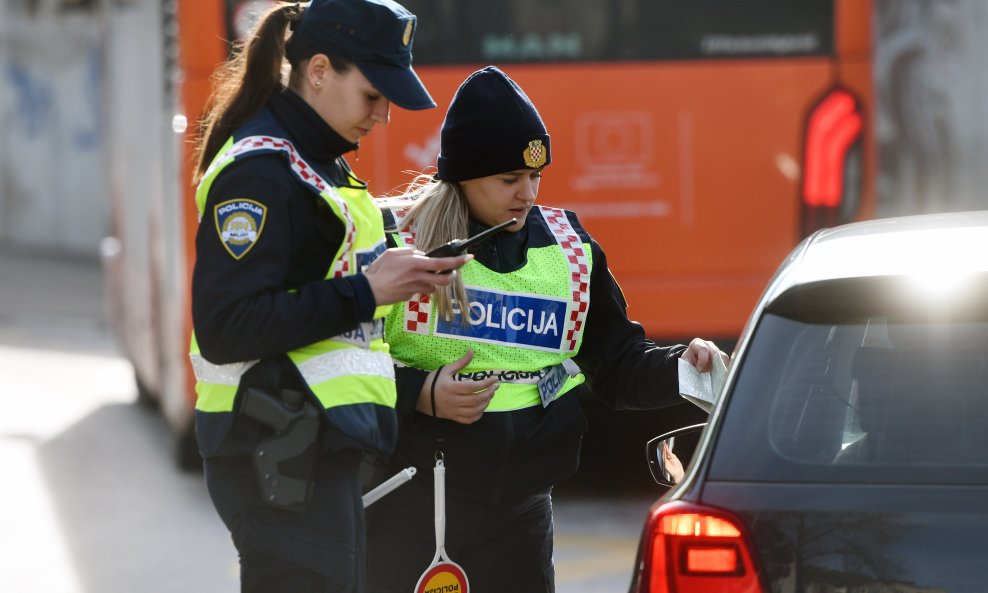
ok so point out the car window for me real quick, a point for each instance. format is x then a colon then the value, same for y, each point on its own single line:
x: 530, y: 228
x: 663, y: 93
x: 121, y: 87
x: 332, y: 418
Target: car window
x: 860, y: 398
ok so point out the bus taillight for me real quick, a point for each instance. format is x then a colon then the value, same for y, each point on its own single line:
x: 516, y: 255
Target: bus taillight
x: 831, y: 160
x: 692, y: 549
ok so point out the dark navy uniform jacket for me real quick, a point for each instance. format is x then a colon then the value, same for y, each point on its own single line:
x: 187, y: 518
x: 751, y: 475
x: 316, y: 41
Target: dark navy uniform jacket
x: 242, y: 309
x: 506, y: 455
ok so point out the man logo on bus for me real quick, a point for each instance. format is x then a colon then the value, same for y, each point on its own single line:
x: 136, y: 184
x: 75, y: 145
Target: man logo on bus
x: 535, y: 154
x: 239, y: 224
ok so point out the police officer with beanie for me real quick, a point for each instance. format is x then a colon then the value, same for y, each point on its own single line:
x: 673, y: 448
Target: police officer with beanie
x: 291, y: 285
x: 489, y: 368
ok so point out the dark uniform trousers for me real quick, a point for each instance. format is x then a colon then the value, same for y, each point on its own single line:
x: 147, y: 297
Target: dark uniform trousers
x: 321, y: 550
x: 501, y: 547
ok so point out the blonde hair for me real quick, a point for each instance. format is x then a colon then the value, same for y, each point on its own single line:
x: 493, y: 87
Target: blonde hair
x: 438, y: 214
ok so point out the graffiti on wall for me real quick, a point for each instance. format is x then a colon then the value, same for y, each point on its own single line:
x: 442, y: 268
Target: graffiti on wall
x: 32, y: 100
x: 53, y: 138
x: 33, y: 97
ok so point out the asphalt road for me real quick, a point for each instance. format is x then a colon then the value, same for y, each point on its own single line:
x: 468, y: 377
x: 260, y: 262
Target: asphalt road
x: 91, y: 502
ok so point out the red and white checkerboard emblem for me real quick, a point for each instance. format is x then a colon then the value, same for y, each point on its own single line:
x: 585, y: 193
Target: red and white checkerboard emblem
x: 535, y: 154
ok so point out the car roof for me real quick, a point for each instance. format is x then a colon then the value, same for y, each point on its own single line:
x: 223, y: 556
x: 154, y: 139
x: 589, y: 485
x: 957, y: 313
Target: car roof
x: 935, y: 244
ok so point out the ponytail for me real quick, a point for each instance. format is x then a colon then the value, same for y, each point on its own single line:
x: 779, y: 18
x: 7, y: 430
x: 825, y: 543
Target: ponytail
x: 242, y: 84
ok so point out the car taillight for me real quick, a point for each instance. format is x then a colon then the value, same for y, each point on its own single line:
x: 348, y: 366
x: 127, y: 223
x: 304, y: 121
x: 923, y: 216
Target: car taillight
x: 692, y: 549
x: 833, y: 128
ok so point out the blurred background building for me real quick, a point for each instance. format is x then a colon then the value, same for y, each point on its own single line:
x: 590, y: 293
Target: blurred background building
x: 930, y: 119
x: 65, y: 63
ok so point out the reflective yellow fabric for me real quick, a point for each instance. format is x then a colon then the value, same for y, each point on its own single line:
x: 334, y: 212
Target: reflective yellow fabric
x: 346, y: 370
x: 545, y: 276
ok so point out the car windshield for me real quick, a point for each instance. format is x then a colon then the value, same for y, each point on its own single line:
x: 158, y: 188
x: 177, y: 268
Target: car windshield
x: 853, y: 393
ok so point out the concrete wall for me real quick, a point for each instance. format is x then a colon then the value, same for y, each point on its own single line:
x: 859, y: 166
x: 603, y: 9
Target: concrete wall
x: 931, y: 78
x: 53, y: 146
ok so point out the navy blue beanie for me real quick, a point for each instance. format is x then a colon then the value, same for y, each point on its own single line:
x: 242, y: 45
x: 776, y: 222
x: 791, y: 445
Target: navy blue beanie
x: 491, y: 127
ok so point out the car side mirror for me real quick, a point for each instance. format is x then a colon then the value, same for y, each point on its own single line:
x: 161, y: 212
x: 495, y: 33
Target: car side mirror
x: 669, y: 455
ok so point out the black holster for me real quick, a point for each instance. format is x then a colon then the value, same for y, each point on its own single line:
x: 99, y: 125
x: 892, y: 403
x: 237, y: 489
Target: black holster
x: 285, y: 462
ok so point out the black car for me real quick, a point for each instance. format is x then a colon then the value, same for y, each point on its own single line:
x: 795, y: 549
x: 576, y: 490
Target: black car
x: 848, y: 450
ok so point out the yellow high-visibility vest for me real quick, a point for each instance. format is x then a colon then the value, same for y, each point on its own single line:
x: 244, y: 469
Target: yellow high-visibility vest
x: 522, y: 325
x: 351, y: 375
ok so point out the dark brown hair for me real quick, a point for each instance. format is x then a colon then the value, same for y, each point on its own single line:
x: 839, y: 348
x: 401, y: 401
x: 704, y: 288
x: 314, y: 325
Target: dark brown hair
x: 243, y: 84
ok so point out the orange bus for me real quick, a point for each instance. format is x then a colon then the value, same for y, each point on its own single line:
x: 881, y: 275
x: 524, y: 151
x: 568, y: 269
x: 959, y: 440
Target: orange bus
x: 697, y: 141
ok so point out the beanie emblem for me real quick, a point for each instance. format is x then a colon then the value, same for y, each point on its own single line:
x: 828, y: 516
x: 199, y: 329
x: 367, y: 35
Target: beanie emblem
x: 406, y: 38
x: 535, y: 154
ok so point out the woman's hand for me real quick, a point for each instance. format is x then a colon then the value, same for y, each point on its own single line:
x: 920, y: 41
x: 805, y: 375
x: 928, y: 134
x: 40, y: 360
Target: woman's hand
x: 460, y: 401
x: 701, y: 353
x: 672, y: 465
x: 401, y: 272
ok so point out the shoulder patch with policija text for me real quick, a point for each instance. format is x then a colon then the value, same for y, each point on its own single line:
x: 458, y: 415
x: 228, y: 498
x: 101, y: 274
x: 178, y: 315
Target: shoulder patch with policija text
x: 239, y: 224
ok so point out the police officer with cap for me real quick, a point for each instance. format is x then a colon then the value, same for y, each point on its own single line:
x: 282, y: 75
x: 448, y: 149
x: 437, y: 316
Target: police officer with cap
x: 291, y: 284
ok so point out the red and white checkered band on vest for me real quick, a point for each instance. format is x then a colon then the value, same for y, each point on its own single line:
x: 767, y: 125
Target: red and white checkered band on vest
x: 579, y: 272
x: 307, y: 175
x: 419, y: 307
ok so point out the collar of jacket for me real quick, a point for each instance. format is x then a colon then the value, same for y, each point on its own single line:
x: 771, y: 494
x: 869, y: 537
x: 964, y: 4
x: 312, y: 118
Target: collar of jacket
x: 309, y: 132
x: 502, y: 253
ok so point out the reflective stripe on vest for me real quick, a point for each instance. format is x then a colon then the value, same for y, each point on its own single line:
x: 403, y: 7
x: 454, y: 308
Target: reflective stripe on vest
x: 351, y: 369
x: 527, y: 321
x: 224, y: 379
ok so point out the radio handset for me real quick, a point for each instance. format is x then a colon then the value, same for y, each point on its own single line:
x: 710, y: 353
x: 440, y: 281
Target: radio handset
x: 459, y: 246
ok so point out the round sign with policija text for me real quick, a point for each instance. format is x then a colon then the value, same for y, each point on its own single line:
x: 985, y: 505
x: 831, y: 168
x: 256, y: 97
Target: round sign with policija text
x: 445, y: 577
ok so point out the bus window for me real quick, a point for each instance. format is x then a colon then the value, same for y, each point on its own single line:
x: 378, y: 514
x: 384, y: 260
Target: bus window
x: 465, y: 32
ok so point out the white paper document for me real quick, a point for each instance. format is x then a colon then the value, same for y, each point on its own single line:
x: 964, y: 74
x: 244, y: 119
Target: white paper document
x: 702, y: 389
